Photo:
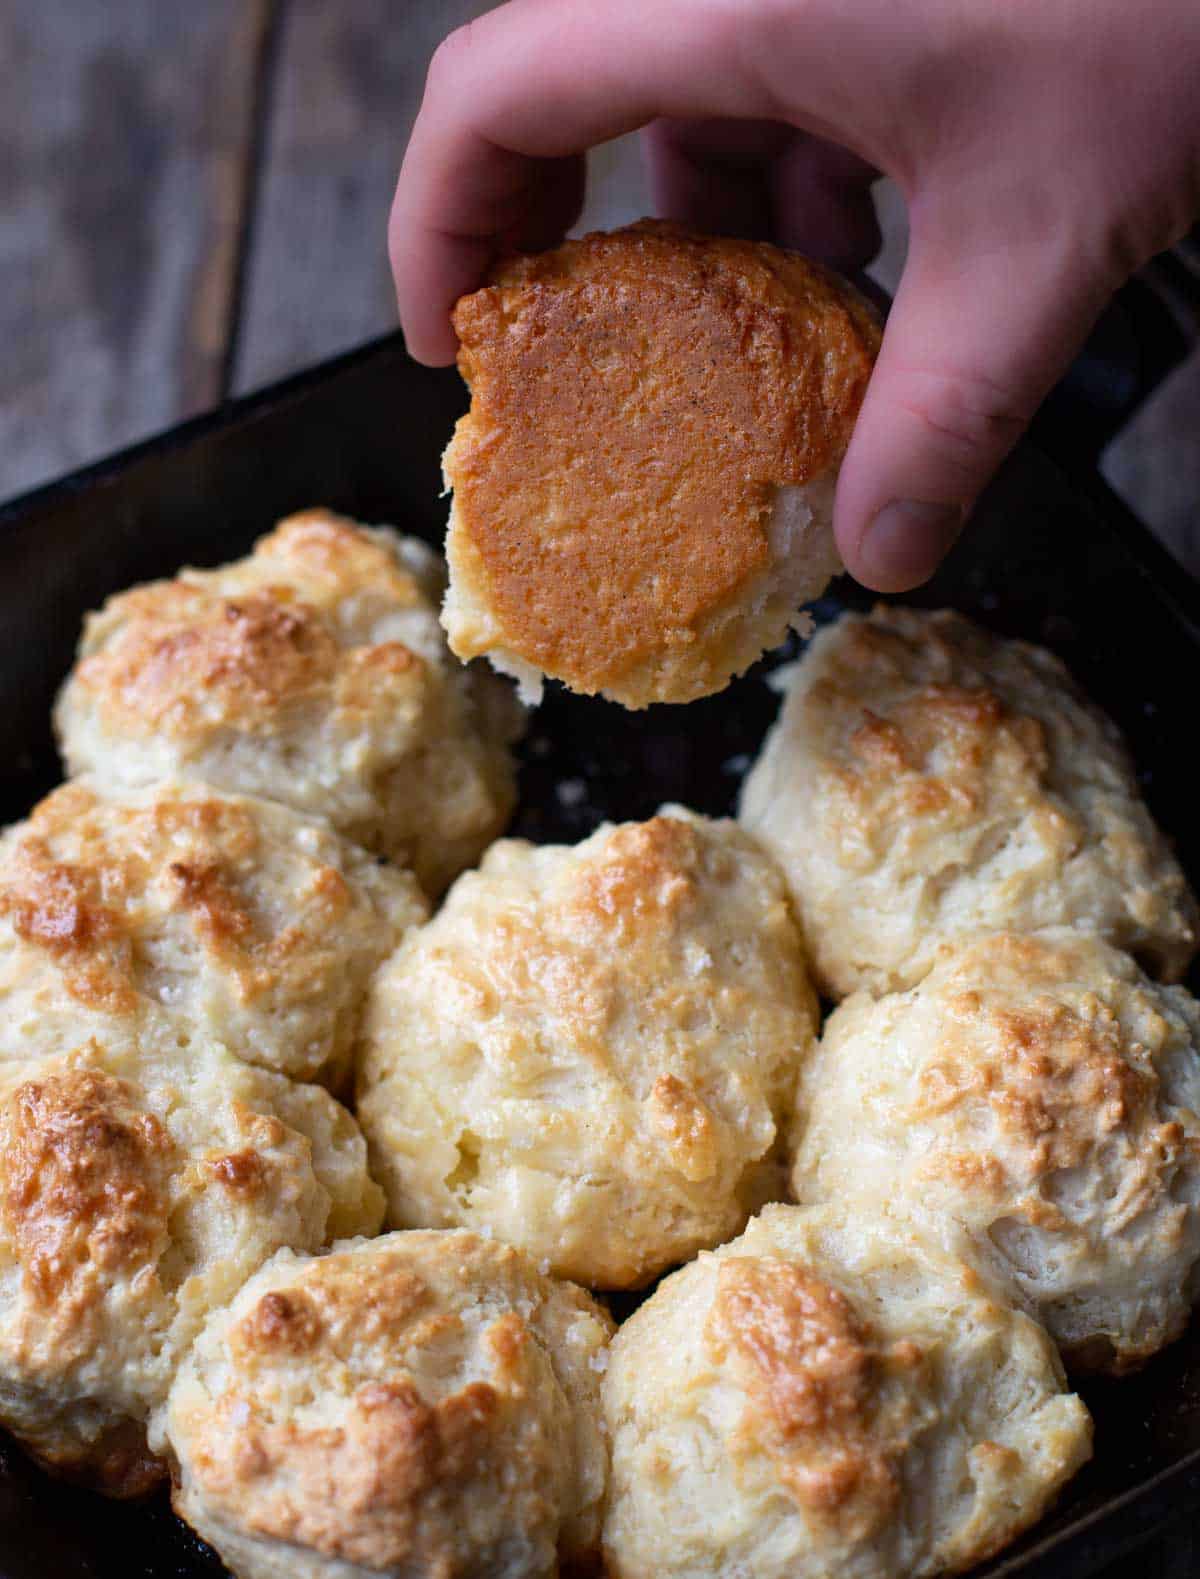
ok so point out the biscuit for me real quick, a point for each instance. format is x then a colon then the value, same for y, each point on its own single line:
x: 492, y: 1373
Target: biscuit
x: 643, y: 487
x: 312, y: 672
x: 592, y: 1051
x: 928, y: 780
x: 425, y: 1404
x: 830, y: 1395
x: 1044, y: 1095
x: 137, y: 1193
x: 182, y: 909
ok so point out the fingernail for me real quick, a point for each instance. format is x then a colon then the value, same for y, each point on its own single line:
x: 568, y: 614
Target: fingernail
x: 906, y: 542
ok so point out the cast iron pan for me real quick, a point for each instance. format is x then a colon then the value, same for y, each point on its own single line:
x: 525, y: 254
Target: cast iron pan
x: 1054, y: 562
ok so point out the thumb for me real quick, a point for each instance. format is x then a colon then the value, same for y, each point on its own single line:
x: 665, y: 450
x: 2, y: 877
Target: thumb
x: 975, y: 340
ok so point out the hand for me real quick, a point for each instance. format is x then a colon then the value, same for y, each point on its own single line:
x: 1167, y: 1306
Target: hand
x: 1045, y: 148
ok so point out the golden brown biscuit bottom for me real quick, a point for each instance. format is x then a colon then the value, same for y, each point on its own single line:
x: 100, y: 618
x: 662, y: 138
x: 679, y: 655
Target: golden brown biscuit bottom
x: 636, y: 400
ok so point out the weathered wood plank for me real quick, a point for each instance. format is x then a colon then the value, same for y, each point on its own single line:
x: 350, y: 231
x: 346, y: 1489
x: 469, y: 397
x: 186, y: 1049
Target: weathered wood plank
x: 123, y: 132
x: 349, y: 83
x: 347, y: 86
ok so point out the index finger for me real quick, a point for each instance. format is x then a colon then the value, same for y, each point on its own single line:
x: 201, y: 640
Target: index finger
x: 538, y: 81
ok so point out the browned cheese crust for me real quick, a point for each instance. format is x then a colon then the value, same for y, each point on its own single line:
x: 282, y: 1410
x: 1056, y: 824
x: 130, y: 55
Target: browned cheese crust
x: 241, y: 658
x: 422, y: 1405
x: 84, y: 1198
x: 813, y: 1374
x: 137, y: 1192
x: 1040, y: 1092
x: 831, y: 1394
x: 181, y: 911
x: 312, y: 672
x: 927, y: 780
x: 360, y: 1491
x: 77, y: 911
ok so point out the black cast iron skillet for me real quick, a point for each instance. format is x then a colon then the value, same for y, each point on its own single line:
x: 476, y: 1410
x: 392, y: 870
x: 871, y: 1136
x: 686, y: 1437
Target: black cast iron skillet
x: 1055, y: 562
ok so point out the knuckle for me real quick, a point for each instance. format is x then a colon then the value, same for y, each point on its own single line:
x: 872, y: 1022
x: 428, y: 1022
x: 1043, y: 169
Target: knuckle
x: 449, y: 58
x: 967, y: 414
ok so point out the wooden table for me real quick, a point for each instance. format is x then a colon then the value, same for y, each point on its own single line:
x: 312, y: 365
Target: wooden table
x: 193, y: 198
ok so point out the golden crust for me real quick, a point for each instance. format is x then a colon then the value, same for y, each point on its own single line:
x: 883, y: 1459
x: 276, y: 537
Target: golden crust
x: 807, y: 1364
x: 1042, y: 1093
x: 312, y: 672
x: 135, y: 1195
x: 592, y: 1051
x: 927, y: 780
x: 333, y: 562
x: 637, y: 399
x: 832, y: 1393
x: 244, y: 656
x: 258, y: 635
x: 84, y: 1202
x: 424, y: 1403
x: 179, y: 910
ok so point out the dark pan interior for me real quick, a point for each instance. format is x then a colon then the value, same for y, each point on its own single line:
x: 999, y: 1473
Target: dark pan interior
x: 1055, y: 563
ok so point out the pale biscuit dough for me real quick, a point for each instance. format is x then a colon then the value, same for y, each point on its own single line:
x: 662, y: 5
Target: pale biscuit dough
x: 830, y: 1394
x: 177, y: 909
x: 313, y: 672
x: 927, y: 780
x: 1043, y: 1095
x: 592, y: 1051
x: 137, y: 1193
x: 421, y: 1405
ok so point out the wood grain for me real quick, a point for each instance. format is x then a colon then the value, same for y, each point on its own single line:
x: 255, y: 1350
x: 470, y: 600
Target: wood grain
x: 348, y: 87
x: 123, y: 131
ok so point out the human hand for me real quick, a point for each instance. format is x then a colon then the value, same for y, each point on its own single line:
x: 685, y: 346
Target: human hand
x: 1045, y: 149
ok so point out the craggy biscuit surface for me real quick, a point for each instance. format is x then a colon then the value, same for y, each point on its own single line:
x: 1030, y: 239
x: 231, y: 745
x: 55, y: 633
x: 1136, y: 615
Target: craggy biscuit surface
x: 830, y: 1394
x: 424, y: 1405
x: 592, y: 1051
x: 643, y: 486
x: 180, y: 911
x: 1043, y: 1094
x: 137, y: 1192
x: 312, y: 672
x: 927, y: 780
